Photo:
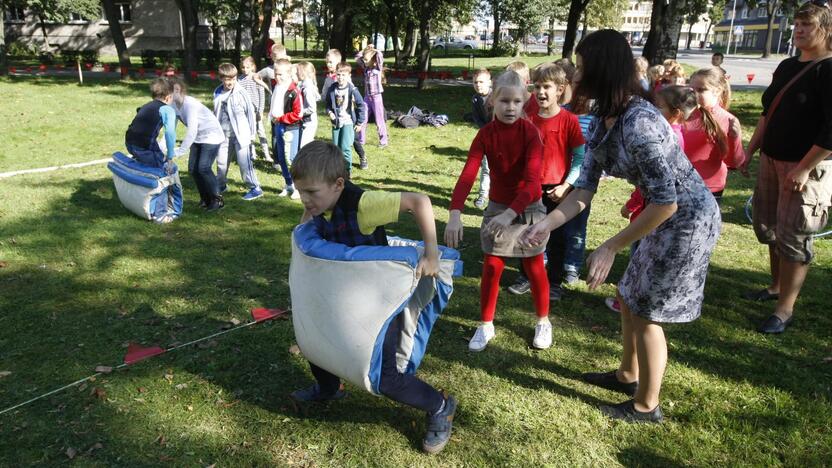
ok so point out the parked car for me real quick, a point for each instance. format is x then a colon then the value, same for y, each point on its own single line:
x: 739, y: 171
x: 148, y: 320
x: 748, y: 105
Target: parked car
x: 445, y: 43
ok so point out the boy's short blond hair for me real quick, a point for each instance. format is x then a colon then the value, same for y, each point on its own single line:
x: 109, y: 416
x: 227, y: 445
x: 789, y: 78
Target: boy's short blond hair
x: 161, y: 88
x: 549, y: 72
x: 279, y: 50
x: 227, y: 70
x: 319, y: 161
x: 343, y: 66
x: 334, y: 53
x: 282, y: 63
x: 519, y: 67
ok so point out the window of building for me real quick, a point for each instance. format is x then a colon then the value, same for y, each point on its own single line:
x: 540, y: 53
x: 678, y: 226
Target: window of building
x: 744, y: 13
x: 123, y: 12
x: 77, y: 18
x: 15, y: 15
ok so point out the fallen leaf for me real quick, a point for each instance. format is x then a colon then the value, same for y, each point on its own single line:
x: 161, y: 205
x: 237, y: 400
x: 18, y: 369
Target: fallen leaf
x: 83, y: 387
x: 95, y: 446
x: 71, y: 452
x: 294, y: 350
x: 104, y: 369
x: 5, y: 373
x: 3, y: 264
x: 826, y: 359
x: 169, y: 377
x: 181, y: 386
x: 596, y: 328
x: 161, y: 440
x: 235, y: 322
x: 141, y: 389
x: 190, y: 408
x: 98, y: 392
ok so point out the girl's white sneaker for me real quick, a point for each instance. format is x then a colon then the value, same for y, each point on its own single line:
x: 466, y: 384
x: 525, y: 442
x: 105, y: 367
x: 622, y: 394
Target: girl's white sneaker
x: 482, y: 336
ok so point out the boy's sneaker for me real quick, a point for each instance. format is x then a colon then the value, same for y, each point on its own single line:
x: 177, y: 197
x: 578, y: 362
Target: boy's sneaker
x: 253, y: 194
x: 481, y: 202
x: 294, y: 195
x: 313, y: 394
x: 482, y: 336
x: 570, y: 277
x: 364, y: 164
x: 613, y: 304
x: 285, y: 193
x: 521, y: 286
x: 223, y: 189
x: 216, y: 204
x: 543, y: 335
x: 439, y: 427
x: 555, y: 292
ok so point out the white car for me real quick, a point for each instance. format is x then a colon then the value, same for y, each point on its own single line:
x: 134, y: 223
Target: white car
x: 445, y: 43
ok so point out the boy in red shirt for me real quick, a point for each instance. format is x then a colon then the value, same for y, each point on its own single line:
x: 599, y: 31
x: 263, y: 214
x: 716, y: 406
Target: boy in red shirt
x: 285, y: 113
x: 563, y: 155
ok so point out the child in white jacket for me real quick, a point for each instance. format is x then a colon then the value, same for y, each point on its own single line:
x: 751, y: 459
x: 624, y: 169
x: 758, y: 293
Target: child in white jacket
x: 238, y: 121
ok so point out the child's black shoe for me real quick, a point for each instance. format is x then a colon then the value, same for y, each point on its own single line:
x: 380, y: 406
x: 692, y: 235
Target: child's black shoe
x: 314, y: 394
x: 627, y: 411
x: 610, y: 381
x: 439, y: 427
x: 215, y: 204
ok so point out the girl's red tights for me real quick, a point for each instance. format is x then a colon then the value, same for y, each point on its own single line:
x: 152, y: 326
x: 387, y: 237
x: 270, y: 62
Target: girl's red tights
x: 492, y: 269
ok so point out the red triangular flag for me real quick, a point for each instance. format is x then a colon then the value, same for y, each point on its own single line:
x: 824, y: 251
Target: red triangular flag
x: 262, y: 314
x: 136, y: 353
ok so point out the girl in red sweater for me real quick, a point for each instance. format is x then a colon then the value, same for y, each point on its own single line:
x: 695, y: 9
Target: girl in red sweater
x: 713, y: 136
x: 514, y: 151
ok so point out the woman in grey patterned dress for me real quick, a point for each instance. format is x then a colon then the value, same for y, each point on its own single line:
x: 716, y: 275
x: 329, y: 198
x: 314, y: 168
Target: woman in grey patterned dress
x: 678, y: 229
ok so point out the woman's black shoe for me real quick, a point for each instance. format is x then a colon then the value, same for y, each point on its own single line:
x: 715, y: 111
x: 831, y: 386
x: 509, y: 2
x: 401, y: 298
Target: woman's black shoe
x: 774, y: 325
x: 627, y: 412
x: 609, y: 381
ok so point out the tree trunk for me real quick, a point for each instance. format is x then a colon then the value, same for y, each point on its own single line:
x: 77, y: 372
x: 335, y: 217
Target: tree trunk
x: 665, y: 26
x: 189, y: 23
x: 215, y: 35
x: 584, y: 29
x: 409, y: 47
x: 705, y: 38
x: 259, y: 46
x: 303, y: 15
x: 392, y: 33
x: 495, y: 9
x: 254, y: 28
x: 118, y: 36
x: 339, y: 36
x: 4, y: 59
x: 550, y: 42
x: 424, y: 44
x: 238, y: 31
x: 576, y: 9
x: 42, y: 23
x: 690, y: 31
x: 771, y: 9
x: 283, y: 24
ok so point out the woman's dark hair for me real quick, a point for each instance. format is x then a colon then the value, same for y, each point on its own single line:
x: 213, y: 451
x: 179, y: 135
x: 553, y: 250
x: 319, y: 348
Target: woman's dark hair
x: 608, y: 74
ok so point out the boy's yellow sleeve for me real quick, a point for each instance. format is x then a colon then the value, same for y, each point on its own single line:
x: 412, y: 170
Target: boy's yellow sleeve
x: 376, y: 209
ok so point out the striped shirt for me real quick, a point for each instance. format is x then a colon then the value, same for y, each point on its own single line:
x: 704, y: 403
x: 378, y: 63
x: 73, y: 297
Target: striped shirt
x: 256, y: 93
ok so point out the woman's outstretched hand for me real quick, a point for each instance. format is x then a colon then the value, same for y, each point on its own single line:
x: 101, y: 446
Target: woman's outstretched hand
x: 536, y: 234
x: 599, y: 263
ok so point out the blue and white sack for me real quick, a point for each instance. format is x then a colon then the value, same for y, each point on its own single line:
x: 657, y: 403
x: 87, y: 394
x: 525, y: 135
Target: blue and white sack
x: 149, y: 192
x: 343, y: 299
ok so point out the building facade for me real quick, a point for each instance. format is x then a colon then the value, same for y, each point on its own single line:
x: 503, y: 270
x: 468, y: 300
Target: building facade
x: 750, y: 27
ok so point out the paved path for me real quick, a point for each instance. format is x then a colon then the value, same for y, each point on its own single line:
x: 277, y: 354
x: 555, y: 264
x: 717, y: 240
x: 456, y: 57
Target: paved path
x: 738, y: 66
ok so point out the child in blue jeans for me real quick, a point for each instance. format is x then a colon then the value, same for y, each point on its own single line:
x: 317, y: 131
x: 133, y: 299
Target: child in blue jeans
x: 347, y: 111
x: 346, y: 214
x: 286, y: 112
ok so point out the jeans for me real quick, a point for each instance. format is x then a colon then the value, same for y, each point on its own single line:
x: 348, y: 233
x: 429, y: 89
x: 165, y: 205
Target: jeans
x: 573, y: 257
x: 261, y: 136
x: 343, y: 138
x: 485, y: 178
x: 286, y: 142
x: 200, y: 166
x: 404, y: 388
x: 153, y: 156
x: 245, y: 159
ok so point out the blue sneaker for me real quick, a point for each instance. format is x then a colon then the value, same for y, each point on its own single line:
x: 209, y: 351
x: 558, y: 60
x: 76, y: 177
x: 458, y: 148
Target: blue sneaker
x: 439, y: 427
x: 252, y: 194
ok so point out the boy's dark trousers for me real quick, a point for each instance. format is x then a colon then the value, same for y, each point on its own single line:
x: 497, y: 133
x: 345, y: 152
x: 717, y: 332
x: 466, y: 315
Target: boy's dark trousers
x: 404, y: 388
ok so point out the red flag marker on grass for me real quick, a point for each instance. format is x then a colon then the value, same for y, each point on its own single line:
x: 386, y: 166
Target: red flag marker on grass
x: 262, y: 314
x: 136, y: 353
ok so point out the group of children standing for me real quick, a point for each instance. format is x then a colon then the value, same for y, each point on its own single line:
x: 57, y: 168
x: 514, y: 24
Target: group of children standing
x: 238, y: 121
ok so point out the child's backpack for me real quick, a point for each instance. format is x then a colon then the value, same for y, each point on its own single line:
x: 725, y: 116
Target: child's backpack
x: 407, y: 121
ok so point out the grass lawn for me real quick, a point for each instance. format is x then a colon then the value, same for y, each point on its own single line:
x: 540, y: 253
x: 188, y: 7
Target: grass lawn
x: 81, y: 276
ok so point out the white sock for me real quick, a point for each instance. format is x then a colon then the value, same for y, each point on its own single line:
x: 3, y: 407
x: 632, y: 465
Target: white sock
x: 543, y: 319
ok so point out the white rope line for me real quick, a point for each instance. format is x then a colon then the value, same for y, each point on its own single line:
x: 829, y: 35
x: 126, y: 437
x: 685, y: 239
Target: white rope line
x: 80, y: 381
x: 4, y: 175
